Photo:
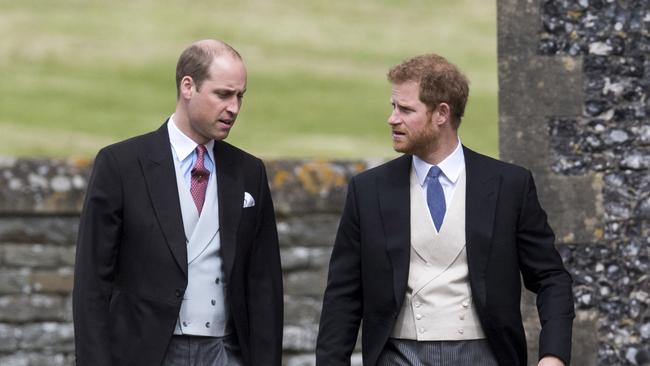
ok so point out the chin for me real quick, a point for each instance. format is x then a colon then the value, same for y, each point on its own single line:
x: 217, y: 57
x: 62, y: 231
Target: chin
x: 220, y: 136
x: 401, y: 149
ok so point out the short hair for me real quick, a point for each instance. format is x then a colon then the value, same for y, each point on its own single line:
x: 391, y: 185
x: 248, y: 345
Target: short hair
x: 196, y: 59
x: 440, y: 81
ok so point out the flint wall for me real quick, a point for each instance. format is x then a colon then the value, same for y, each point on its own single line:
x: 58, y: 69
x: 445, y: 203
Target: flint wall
x: 574, y: 80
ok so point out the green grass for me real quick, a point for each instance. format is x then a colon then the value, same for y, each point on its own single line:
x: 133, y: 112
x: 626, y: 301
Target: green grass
x: 77, y: 75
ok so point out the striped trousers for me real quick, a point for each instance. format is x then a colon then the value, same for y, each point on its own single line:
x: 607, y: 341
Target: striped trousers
x: 185, y: 350
x: 406, y: 352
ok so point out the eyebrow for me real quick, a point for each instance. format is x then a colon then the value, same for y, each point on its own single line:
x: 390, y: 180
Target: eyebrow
x: 229, y: 90
x: 401, y: 105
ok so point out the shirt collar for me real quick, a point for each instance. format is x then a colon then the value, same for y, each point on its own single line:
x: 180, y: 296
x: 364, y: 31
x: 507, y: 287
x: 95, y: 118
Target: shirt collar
x: 451, y: 166
x: 182, y: 144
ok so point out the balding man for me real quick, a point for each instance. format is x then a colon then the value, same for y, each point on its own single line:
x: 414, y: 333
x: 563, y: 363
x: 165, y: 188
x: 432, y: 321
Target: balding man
x: 177, y: 255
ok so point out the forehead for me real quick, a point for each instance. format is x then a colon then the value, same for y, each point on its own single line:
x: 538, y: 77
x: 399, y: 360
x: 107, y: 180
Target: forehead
x: 227, y: 71
x: 406, y: 92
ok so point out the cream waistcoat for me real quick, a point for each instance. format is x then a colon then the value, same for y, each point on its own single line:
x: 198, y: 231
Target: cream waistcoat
x: 438, y: 304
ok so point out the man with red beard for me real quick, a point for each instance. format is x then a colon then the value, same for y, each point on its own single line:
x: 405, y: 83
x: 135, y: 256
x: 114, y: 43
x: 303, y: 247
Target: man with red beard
x: 432, y: 246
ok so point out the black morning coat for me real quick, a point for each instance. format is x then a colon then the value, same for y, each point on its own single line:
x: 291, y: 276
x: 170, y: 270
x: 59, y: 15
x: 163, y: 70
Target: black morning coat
x: 507, y: 238
x: 131, y: 261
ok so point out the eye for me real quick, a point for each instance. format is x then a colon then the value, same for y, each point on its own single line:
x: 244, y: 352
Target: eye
x: 224, y: 94
x: 401, y: 108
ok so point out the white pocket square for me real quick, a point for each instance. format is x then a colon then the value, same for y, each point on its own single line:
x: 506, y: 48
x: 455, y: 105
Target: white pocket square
x: 249, y: 201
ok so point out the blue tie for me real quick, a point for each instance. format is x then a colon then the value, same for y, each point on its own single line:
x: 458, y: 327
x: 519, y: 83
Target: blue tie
x: 435, y: 197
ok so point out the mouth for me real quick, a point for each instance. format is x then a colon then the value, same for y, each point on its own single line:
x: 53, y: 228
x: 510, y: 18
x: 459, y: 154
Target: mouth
x: 227, y: 121
x: 397, y: 134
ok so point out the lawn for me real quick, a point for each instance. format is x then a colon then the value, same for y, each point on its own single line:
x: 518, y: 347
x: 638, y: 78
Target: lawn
x: 77, y: 75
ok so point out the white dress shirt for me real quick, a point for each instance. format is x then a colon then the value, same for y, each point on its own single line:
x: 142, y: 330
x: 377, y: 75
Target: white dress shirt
x: 184, y: 151
x: 451, y: 167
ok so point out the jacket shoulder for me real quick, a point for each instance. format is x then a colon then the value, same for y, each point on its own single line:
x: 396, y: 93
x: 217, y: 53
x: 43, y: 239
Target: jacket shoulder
x: 129, y: 147
x: 237, y: 153
x: 486, y: 163
x: 134, y: 141
x: 395, y: 166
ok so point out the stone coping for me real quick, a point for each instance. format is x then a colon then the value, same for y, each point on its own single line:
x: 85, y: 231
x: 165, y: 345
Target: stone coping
x: 38, y: 186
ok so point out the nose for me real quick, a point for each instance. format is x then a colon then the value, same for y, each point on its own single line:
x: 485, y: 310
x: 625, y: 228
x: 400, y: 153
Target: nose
x: 234, y: 105
x: 393, y: 119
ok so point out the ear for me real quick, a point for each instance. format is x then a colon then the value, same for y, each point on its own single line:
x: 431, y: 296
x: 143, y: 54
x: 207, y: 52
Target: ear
x: 442, y: 114
x: 187, y: 86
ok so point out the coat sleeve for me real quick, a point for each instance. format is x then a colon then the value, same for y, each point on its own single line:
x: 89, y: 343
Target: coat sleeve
x: 544, y: 274
x: 265, y: 306
x: 342, y: 303
x: 97, y: 247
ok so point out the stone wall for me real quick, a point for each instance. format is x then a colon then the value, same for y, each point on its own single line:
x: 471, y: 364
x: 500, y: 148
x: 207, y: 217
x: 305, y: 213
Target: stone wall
x: 40, y: 201
x: 574, y: 78
x: 39, y: 205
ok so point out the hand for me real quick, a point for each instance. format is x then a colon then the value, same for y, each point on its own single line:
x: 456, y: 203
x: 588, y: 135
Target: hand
x: 550, y: 361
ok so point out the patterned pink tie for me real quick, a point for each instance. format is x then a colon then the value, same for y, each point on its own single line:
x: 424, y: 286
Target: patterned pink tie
x: 200, y: 176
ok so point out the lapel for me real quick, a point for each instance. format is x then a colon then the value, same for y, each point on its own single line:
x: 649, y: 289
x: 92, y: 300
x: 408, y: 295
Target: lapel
x: 160, y: 176
x: 230, y: 190
x: 189, y: 213
x: 481, y: 198
x: 394, y: 206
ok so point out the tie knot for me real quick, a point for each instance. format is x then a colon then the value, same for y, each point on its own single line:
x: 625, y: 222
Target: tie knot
x: 201, y: 150
x: 434, y: 172
x: 199, y: 167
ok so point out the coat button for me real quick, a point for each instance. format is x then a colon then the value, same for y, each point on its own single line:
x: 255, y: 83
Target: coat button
x: 417, y: 304
x: 213, y: 302
x: 418, y: 316
x: 179, y: 292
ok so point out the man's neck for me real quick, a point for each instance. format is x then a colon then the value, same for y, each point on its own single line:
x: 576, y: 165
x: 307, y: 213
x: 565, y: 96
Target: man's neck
x: 440, y: 150
x: 181, y: 120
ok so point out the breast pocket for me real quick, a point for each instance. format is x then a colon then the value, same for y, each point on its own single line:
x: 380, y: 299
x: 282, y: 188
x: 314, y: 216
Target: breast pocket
x: 248, y: 218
